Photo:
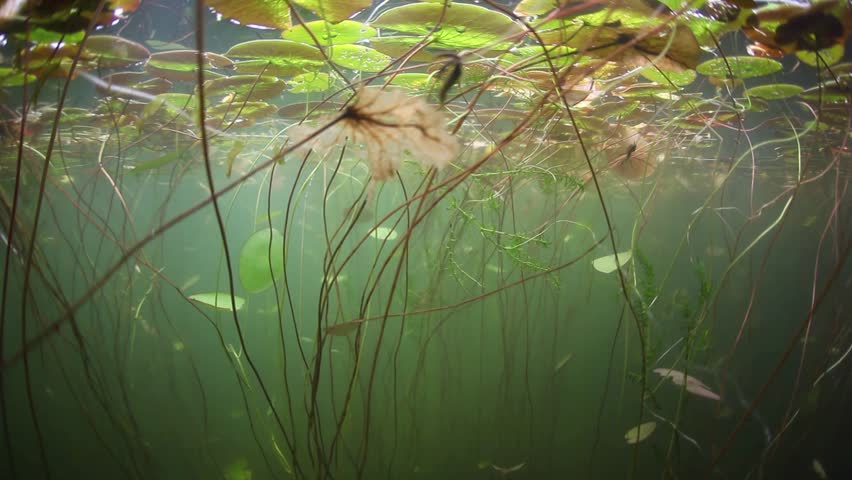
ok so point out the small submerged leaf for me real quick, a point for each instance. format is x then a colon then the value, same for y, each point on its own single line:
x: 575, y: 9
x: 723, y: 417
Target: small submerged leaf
x: 693, y: 385
x: 257, y: 267
x: 607, y: 264
x: 640, y: 432
x: 384, y: 233
x: 561, y: 363
x: 343, y: 328
x: 220, y: 300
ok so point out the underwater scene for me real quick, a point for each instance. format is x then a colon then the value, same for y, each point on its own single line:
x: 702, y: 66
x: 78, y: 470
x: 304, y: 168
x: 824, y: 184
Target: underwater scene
x: 485, y: 239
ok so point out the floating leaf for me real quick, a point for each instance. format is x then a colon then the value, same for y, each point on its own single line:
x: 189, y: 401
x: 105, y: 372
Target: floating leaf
x: 246, y: 87
x: 680, y: 79
x: 693, y: 385
x: 640, y: 432
x: 535, y: 7
x: 775, y: 91
x: 182, y: 64
x: 382, y: 233
x: 245, y: 110
x: 412, y: 80
x: 311, y: 82
x: 607, y: 263
x: 220, y: 300
x: 139, y: 81
x: 359, y: 57
x: 334, y: 10
x: 112, y: 51
x: 276, y: 57
x: 266, y: 13
x: 741, y: 67
x: 10, y: 77
x: 461, y: 25
x: 258, y: 267
x: 326, y: 33
x: 300, y: 110
x: 821, y: 58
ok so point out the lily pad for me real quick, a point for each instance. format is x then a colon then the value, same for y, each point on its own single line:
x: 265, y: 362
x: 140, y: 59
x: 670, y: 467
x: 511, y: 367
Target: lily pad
x: 112, y: 51
x: 417, y: 81
x: 246, y: 110
x: 9, y: 77
x: 334, y: 10
x: 345, y: 32
x: 261, y: 260
x: 311, y: 82
x: 679, y: 79
x: 741, y: 67
x: 640, y: 432
x: 246, y: 87
x: 359, y: 57
x: 220, y: 300
x: 266, y: 13
x: 775, y: 91
x: 182, y: 64
x: 276, y: 57
x: 607, y: 264
x: 461, y: 25
x: 821, y: 58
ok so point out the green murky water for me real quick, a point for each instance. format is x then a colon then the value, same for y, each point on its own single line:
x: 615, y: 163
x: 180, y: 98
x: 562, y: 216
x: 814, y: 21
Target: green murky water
x: 467, y: 321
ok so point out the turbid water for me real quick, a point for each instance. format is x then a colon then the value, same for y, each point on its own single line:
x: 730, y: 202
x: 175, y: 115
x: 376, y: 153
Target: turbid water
x: 505, y: 282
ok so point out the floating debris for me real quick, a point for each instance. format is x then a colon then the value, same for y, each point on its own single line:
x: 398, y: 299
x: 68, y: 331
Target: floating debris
x: 693, y: 385
x: 640, y: 432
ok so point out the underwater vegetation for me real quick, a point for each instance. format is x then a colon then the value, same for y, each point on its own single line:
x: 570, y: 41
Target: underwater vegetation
x: 328, y: 239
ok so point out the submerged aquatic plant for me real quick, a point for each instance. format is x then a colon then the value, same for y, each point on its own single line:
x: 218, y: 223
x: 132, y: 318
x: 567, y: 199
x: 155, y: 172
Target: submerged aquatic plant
x: 389, y: 122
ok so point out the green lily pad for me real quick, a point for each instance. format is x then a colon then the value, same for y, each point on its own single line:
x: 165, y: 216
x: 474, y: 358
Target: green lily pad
x: 271, y: 55
x: 10, y: 77
x: 741, y: 67
x: 246, y: 87
x: 266, y: 13
x: 220, y: 300
x: 826, y: 56
x: 679, y: 79
x: 258, y: 268
x: 311, y: 82
x: 112, y: 51
x: 461, y: 25
x: 535, y: 7
x: 326, y: 33
x: 359, y: 57
x: 607, y: 263
x: 775, y: 91
x: 246, y: 110
x: 182, y: 64
x: 417, y: 81
x: 334, y: 10
x: 640, y: 432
